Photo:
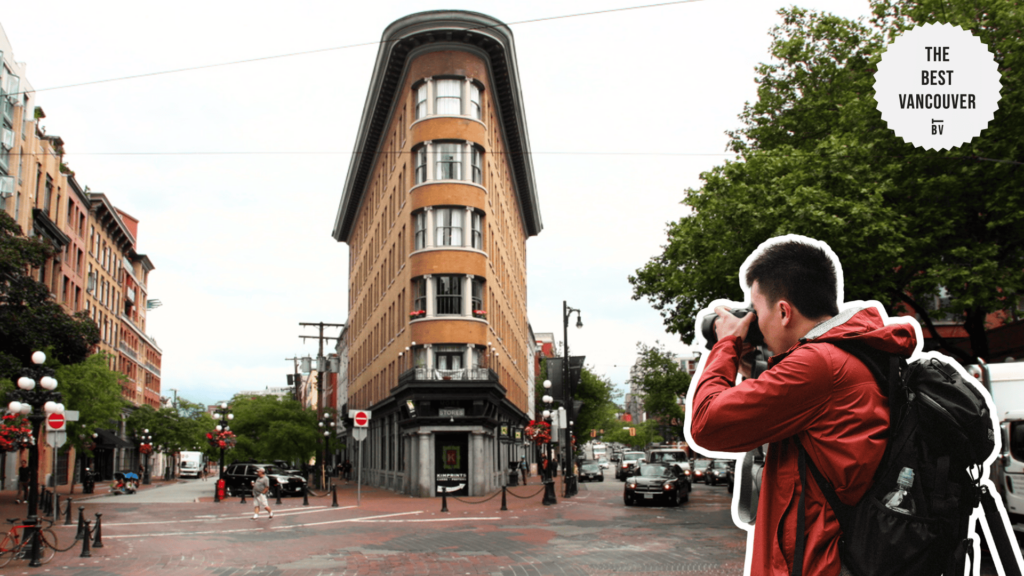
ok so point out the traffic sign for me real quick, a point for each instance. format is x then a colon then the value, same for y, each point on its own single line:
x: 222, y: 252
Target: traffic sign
x: 359, y: 434
x: 55, y: 422
x: 361, y: 418
x: 56, y: 438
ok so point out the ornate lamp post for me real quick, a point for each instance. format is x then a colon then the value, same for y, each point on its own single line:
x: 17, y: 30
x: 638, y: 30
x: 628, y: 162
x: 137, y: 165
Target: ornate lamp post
x: 36, y: 403
x: 327, y: 425
x: 145, y: 448
x: 549, y: 481
x: 222, y: 417
x: 570, y: 479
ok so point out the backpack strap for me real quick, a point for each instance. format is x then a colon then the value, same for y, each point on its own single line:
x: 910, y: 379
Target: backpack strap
x: 801, y: 536
x: 999, y: 536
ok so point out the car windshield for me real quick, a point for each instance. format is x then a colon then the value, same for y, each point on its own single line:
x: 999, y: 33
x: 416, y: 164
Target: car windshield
x: 591, y: 468
x: 632, y: 455
x: 701, y: 464
x: 272, y: 470
x: 720, y: 465
x: 668, y: 457
x: 654, y: 470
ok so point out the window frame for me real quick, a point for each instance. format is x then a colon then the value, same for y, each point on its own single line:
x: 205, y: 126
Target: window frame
x: 449, y: 299
x: 444, y: 100
x: 454, y: 164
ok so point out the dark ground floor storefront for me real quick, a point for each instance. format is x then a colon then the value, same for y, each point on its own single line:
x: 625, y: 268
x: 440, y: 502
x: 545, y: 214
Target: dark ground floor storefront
x: 462, y: 434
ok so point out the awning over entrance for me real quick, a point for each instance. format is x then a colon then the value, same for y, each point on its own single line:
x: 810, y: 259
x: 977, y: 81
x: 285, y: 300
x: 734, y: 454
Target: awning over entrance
x: 107, y: 439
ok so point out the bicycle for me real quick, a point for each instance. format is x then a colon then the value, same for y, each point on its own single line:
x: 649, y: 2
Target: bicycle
x: 14, y: 545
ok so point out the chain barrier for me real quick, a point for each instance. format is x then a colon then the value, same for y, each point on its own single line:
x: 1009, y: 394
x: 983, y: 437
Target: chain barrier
x: 316, y: 494
x: 526, y: 497
x: 491, y: 497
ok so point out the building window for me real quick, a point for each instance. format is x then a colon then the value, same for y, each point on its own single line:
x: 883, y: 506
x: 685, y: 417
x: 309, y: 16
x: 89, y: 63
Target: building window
x: 421, y: 230
x: 478, y: 294
x: 449, y: 295
x: 419, y: 295
x: 448, y: 226
x: 421, y: 165
x: 478, y: 231
x: 421, y: 101
x: 449, y: 161
x: 474, y: 101
x: 448, y: 101
x: 448, y: 358
x: 478, y: 169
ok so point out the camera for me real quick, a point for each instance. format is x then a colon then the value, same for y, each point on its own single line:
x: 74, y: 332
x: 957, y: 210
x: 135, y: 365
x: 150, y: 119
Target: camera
x: 754, y: 336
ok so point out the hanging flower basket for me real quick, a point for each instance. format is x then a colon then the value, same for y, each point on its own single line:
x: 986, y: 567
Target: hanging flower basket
x: 538, y: 431
x: 222, y: 440
x: 482, y: 314
x: 146, y: 449
x: 15, y: 432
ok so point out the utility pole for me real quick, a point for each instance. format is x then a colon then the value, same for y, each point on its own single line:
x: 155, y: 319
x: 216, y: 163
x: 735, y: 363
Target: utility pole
x: 321, y: 370
x: 297, y: 380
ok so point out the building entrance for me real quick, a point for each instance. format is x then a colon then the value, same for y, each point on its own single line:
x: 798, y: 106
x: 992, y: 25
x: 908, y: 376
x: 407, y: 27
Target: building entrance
x: 451, y: 462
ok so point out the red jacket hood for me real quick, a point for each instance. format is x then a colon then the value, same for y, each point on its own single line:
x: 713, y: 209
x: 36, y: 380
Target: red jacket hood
x: 865, y: 326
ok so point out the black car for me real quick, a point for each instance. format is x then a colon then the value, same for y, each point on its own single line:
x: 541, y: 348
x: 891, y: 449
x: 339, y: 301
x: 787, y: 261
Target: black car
x: 699, y: 468
x: 240, y: 476
x: 717, y: 473
x: 657, y: 482
x: 591, y: 471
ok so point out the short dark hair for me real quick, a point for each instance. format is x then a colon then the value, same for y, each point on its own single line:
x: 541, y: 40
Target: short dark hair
x: 800, y: 273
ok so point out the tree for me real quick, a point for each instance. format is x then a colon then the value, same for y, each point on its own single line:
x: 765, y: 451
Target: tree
x: 815, y: 158
x: 597, y: 394
x: 662, y: 383
x: 29, y: 319
x: 94, y: 390
x: 646, y: 433
x: 273, y: 428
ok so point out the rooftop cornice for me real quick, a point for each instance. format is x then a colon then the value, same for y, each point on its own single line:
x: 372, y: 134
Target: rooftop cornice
x: 448, y: 29
x: 107, y: 215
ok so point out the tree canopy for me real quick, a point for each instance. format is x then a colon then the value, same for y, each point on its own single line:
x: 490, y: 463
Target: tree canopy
x: 272, y: 428
x: 662, y: 384
x: 815, y: 158
x: 93, y: 389
x: 29, y: 319
x: 598, y: 396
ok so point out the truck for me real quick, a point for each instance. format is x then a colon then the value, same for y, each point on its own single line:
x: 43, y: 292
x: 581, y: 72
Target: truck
x: 192, y: 464
x: 1005, y: 380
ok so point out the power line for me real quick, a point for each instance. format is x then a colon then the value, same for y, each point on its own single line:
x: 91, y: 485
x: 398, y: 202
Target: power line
x: 345, y: 47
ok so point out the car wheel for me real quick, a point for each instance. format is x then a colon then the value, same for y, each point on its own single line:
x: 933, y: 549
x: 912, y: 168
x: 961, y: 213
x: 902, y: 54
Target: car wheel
x: 602, y: 479
x: 627, y: 500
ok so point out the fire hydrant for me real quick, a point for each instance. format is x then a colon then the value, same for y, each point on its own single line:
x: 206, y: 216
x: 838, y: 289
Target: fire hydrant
x: 220, y: 490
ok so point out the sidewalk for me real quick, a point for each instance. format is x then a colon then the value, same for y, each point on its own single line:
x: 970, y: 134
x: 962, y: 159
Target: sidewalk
x: 11, y: 509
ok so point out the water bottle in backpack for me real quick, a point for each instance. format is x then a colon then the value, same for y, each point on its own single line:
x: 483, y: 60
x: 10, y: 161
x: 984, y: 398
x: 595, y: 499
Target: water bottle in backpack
x: 899, y: 500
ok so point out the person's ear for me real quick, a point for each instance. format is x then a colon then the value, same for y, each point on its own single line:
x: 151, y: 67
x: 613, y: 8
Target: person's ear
x: 785, y: 312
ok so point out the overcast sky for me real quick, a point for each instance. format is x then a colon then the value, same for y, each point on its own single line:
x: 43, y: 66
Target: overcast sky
x: 242, y: 242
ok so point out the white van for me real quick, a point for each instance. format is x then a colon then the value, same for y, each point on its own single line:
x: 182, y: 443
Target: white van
x: 192, y: 464
x: 1007, y: 383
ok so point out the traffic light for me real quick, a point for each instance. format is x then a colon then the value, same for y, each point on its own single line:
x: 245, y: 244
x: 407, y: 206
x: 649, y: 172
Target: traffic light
x: 632, y: 431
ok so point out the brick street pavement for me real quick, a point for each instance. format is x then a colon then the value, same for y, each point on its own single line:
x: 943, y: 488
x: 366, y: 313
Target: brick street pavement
x: 592, y: 534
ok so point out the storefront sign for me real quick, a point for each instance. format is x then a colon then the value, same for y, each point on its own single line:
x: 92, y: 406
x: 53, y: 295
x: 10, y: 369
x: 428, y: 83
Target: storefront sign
x: 451, y: 411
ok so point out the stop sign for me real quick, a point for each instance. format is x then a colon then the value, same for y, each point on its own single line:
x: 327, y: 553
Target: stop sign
x: 361, y: 419
x: 55, y: 421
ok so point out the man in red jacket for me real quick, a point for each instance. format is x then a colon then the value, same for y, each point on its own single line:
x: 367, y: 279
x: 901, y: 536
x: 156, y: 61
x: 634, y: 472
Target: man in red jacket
x: 812, y: 391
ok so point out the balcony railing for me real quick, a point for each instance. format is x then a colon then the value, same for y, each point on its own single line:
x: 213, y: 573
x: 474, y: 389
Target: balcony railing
x: 153, y: 369
x: 421, y: 373
x: 128, y: 351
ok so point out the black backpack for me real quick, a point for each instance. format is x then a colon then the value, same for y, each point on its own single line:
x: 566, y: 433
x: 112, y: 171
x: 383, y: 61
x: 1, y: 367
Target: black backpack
x: 941, y: 429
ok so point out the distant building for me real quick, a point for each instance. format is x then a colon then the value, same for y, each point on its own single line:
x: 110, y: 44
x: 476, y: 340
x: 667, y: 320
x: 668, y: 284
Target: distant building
x: 282, y: 391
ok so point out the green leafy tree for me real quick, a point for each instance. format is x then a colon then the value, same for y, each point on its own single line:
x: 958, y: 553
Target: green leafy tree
x: 272, y: 428
x: 597, y: 394
x: 646, y: 434
x: 662, y: 384
x: 815, y: 158
x: 29, y: 319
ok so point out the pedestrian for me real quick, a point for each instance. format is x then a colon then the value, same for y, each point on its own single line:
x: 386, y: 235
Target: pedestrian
x: 24, y: 478
x: 554, y: 466
x: 813, y: 395
x: 204, y: 471
x: 346, y: 469
x: 524, y: 469
x: 545, y: 467
x: 260, y: 489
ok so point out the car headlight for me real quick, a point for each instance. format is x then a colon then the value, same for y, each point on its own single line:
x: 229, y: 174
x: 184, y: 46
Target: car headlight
x: 631, y: 485
x: 669, y: 487
x: 687, y: 472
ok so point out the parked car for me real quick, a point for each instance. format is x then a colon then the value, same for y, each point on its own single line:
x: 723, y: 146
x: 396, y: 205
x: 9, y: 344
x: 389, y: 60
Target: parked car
x: 675, y: 456
x: 657, y: 482
x: 717, y: 473
x: 287, y: 468
x: 628, y: 462
x: 603, y: 461
x: 239, y: 477
x: 699, y: 467
x: 591, y: 471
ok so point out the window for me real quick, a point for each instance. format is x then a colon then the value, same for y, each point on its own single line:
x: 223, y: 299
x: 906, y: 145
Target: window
x: 421, y: 101
x: 48, y: 196
x: 449, y: 97
x: 448, y: 357
x: 474, y: 101
x: 449, y: 295
x: 421, y: 230
x: 478, y: 231
x: 449, y: 161
x: 478, y: 294
x: 448, y: 223
x: 478, y: 171
x: 419, y: 301
x: 421, y: 165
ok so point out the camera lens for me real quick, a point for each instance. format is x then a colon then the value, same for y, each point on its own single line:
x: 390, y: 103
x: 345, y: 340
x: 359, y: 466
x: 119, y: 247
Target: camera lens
x: 707, y: 328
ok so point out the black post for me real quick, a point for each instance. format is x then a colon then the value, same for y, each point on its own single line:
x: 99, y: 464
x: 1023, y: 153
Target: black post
x: 504, y: 506
x: 243, y: 497
x: 444, y: 498
x: 98, y: 541
x: 277, y: 492
x: 334, y: 496
x: 33, y: 498
x: 67, y: 515
x: 81, y: 523
x: 85, y: 543
x: 305, y: 496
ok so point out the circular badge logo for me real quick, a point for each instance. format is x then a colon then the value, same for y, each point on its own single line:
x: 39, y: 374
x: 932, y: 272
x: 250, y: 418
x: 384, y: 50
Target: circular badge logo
x: 937, y: 86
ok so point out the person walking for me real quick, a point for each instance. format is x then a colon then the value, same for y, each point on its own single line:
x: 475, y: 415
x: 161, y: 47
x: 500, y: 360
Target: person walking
x: 524, y: 468
x: 260, y: 489
x: 24, y: 477
x: 346, y: 469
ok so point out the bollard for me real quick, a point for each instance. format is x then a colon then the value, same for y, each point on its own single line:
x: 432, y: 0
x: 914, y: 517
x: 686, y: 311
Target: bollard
x: 305, y: 496
x: 67, y: 515
x: 243, y: 497
x: 81, y: 523
x: 444, y: 499
x: 277, y: 492
x: 56, y: 506
x: 98, y: 541
x: 334, y: 496
x: 504, y: 507
x: 85, y: 544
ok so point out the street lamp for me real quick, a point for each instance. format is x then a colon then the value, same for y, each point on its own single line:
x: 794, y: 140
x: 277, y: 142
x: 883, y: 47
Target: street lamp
x: 570, y: 479
x: 327, y: 424
x: 36, y: 404
x: 223, y: 417
x: 145, y: 447
x: 549, y: 481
